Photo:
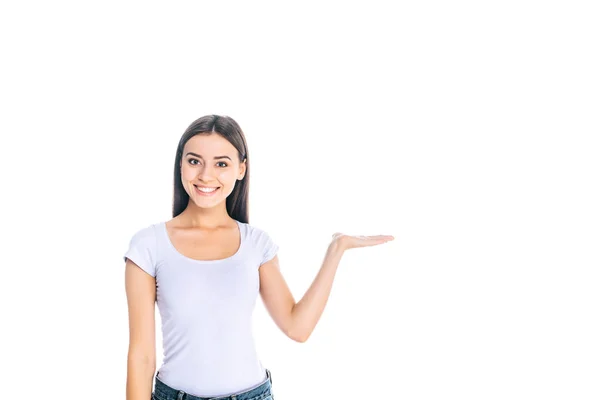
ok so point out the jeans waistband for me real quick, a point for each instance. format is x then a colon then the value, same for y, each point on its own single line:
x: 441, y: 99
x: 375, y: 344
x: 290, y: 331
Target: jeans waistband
x: 165, y: 392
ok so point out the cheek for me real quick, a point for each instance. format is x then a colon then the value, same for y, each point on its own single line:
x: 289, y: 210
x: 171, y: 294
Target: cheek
x: 187, y: 174
x: 225, y: 177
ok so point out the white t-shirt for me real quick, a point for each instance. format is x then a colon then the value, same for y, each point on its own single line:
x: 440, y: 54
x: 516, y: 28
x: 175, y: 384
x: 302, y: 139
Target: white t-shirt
x: 206, y: 310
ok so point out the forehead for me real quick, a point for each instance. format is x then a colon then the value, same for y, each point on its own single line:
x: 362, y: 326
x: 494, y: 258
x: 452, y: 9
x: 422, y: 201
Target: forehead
x: 209, y: 145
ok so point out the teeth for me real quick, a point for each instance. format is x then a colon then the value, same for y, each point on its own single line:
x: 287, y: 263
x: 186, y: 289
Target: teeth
x: 206, y: 190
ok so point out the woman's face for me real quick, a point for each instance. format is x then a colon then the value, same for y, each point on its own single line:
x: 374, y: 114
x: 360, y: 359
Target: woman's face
x: 209, y: 160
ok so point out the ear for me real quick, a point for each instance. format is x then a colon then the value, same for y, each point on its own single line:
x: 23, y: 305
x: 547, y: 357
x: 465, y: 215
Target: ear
x: 242, y: 169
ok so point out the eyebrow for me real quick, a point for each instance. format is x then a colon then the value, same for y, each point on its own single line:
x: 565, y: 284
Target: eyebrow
x: 199, y: 156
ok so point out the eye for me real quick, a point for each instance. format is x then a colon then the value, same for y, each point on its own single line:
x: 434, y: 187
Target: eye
x: 225, y: 165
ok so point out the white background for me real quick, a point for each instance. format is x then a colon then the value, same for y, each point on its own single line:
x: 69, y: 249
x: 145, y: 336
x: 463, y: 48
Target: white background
x: 468, y: 130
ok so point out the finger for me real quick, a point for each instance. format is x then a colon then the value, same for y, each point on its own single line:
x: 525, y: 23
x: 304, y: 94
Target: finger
x: 369, y: 243
x: 369, y: 240
x: 378, y: 237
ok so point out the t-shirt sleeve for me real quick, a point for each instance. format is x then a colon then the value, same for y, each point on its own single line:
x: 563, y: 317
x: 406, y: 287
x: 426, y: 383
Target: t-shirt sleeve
x: 269, y: 248
x: 142, y: 250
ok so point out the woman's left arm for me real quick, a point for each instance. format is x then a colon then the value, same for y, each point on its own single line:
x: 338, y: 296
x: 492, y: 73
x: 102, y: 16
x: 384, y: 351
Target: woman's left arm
x: 298, y: 320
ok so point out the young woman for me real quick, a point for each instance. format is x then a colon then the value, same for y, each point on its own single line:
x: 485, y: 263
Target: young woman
x: 205, y: 268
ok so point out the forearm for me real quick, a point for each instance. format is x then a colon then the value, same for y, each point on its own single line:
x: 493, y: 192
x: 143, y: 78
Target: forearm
x: 140, y: 375
x: 307, y: 312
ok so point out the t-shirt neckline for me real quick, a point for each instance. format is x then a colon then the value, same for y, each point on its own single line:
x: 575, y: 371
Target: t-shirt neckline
x: 193, y: 260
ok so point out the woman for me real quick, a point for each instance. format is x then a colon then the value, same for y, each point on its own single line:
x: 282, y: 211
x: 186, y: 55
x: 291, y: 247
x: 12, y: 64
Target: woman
x: 205, y: 268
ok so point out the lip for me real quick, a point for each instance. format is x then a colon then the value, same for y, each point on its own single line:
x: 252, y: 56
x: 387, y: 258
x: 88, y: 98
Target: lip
x: 206, y: 194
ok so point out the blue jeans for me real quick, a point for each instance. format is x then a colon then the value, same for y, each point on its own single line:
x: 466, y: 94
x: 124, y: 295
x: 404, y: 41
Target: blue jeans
x: 261, y: 392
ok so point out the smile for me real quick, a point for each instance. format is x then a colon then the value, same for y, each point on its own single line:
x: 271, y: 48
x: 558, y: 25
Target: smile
x: 206, y: 192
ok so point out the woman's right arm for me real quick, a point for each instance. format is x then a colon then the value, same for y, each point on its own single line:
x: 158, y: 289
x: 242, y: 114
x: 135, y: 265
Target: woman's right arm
x: 140, y: 289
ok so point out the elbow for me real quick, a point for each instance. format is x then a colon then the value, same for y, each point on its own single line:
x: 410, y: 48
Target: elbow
x: 297, y: 331
x: 302, y: 339
x: 143, y: 359
x: 299, y: 337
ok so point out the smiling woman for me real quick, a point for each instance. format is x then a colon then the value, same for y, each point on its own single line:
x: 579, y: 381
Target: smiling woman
x: 211, y: 161
x: 204, y: 268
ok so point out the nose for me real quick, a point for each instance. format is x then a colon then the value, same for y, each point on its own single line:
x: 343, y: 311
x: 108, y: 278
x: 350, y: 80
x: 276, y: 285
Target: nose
x: 206, y: 174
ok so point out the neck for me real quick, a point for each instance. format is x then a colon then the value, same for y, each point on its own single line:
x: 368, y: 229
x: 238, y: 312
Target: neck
x: 205, y: 218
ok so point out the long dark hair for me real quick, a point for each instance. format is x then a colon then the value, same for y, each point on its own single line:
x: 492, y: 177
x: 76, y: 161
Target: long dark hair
x: 237, y: 201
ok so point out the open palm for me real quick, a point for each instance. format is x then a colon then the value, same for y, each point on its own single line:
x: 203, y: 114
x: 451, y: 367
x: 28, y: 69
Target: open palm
x: 350, y: 242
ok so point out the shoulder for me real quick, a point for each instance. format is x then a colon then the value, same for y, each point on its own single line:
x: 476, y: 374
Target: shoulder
x: 255, y: 232
x: 263, y: 242
x: 142, y: 249
x: 145, y: 233
x: 145, y: 237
